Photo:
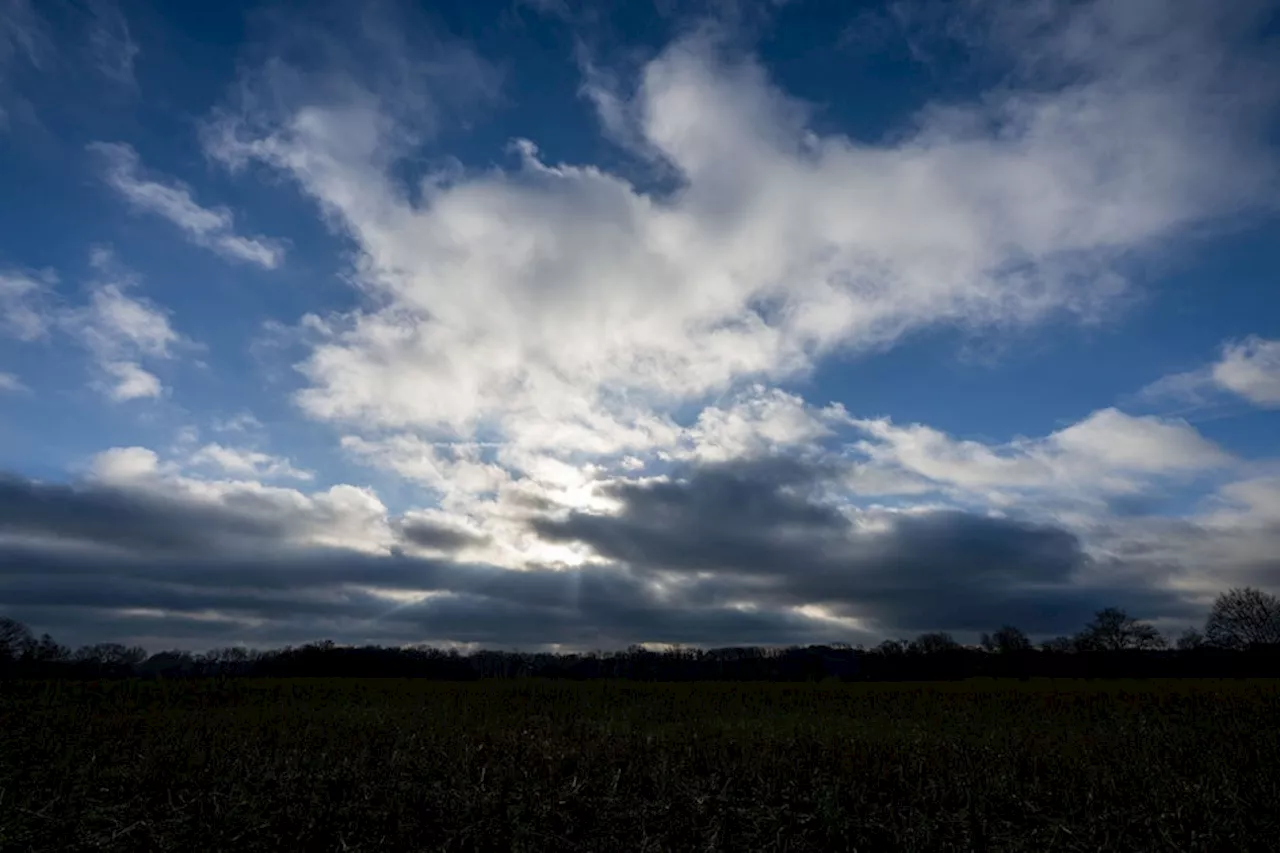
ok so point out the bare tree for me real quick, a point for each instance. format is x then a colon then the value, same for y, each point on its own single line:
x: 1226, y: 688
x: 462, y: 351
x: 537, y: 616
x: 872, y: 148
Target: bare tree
x: 15, y: 639
x: 1114, y: 630
x: 1190, y: 639
x: 49, y: 650
x: 931, y: 643
x: 1058, y: 644
x: 170, y: 663
x: 111, y: 654
x: 892, y: 647
x: 1005, y: 640
x: 1243, y: 617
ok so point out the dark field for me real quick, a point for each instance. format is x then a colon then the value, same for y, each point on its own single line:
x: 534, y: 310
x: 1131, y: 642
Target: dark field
x: 527, y: 765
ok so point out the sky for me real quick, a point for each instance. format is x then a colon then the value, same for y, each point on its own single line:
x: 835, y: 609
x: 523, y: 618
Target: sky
x: 546, y: 324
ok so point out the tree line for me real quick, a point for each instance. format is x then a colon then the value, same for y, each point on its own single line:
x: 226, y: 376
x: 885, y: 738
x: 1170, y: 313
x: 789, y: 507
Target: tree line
x: 1241, y: 637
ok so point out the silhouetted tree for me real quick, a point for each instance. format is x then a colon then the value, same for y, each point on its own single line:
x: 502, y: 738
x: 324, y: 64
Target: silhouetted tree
x: 15, y: 640
x: 170, y: 664
x: 1113, y: 630
x: 1058, y: 645
x: 1006, y: 640
x: 934, y: 642
x: 1115, y: 645
x: 1190, y: 639
x: 892, y: 647
x: 111, y: 655
x: 1243, y: 617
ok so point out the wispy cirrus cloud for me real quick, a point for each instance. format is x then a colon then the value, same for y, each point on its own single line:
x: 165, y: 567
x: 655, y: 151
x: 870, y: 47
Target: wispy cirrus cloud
x: 24, y: 41
x: 111, y: 43
x: 213, y: 228
x: 26, y: 310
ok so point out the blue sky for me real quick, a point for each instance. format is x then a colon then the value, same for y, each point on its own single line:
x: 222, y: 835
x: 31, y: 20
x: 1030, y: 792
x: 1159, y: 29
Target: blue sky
x: 527, y: 323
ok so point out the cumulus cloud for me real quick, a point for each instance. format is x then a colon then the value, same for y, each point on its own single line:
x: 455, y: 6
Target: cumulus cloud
x: 128, y: 381
x: 342, y: 516
x: 445, y: 468
x: 1107, y: 452
x: 122, y: 465
x: 212, y: 228
x: 1247, y: 369
x: 565, y: 310
x: 760, y: 421
x: 764, y: 533
x: 142, y: 552
x: 119, y: 330
x: 244, y: 462
x: 114, y: 320
x: 761, y: 550
x: 1231, y: 540
x: 586, y: 375
x: 434, y: 531
x: 1251, y: 369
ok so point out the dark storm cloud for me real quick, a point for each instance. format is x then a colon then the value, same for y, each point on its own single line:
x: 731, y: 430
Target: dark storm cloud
x: 762, y: 528
x: 720, y: 557
x: 610, y: 616
x: 746, y: 517
x: 127, y: 519
x: 90, y: 563
x: 307, y: 597
x: 440, y: 537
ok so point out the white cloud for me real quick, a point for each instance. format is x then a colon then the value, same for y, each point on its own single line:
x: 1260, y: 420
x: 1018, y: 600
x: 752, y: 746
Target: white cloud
x: 342, y: 516
x: 446, y: 468
x: 1191, y: 386
x: 1256, y: 500
x: 120, y: 330
x: 1107, y: 452
x: 130, y: 382
x: 1139, y: 444
x: 117, y: 328
x: 239, y: 423
x: 1231, y: 540
x: 562, y: 310
x: 759, y: 422
x: 1251, y: 368
x: 114, y: 321
x: 208, y: 227
x: 1248, y: 369
x: 243, y: 462
x: 24, y: 313
x: 125, y: 465
x: 11, y: 383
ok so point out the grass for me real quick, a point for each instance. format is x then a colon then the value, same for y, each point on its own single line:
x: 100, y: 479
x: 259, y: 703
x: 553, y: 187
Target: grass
x: 351, y: 765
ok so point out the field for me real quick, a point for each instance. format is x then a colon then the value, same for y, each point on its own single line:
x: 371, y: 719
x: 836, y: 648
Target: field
x: 364, y: 765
